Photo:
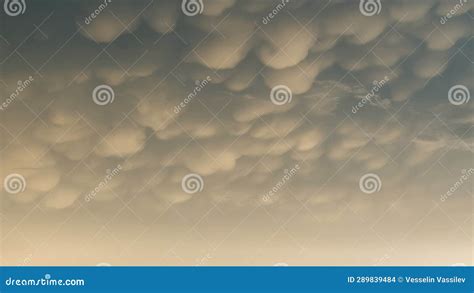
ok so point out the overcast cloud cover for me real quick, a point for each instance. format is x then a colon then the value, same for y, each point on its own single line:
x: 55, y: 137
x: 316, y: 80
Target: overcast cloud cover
x: 103, y: 179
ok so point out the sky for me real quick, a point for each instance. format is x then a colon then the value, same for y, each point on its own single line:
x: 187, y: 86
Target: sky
x: 236, y: 132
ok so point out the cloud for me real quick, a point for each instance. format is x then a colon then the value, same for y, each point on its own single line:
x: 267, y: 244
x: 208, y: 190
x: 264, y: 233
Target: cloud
x: 229, y: 131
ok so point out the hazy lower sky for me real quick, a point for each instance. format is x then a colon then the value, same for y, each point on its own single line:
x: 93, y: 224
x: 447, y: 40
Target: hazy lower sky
x: 236, y: 132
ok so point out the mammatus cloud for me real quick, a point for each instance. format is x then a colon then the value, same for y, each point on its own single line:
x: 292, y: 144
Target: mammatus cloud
x: 230, y: 120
